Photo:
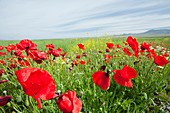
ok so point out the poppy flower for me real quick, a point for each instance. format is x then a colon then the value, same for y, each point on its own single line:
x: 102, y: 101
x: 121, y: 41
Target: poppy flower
x: 38, y: 56
x: 165, y: 54
x: 57, y: 52
x: 160, y: 60
x: 3, y: 81
x: 84, y: 54
x: 18, y: 53
x: 2, y: 53
x: 133, y: 44
x: 63, y: 54
x: 81, y: 46
x: 69, y: 103
x: 1, y: 71
x: 50, y: 46
x: 101, y: 79
x: 26, y: 45
x: 10, y: 47
x: 4, y: 100
x: 127, y: 51
x: 1, y: 47
x: 37, y: 83
x: 145, y: 46
x: 78, y: 56
x: 2, y: 62
x: 123, y: 77
x: 110, y: 45
x: 82, y: 62
x: 107, y: 50
x: 12, y: 66
x: 23, y: 62
x: 118, y: 46
x: 75, y: 62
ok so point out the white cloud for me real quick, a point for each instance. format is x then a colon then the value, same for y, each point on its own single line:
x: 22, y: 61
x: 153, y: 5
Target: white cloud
x: 56, y: 18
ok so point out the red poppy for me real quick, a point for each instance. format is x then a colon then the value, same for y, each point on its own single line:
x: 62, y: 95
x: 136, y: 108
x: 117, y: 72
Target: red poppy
x: 2, y: 81
x: 123, y: 77
x: 10, y: 47
x: 133, y: 44
x: 69, y: 103
x: 118, y: 46
x: 107, y: 50
x: 37, y: 83
x: 18, y: 53
x: 57, y: 52
x: 165, y: 54
x: 75, y: 62
x: 1, y: 71
x: 84, y: 54
x: 81, y: 46
x: 144, y: 46
x: 12, y: 66
x: 152, y: 52
x: 2, y: 62
x: 50, y: 46
x: 101, y: 79
x: 1, y: 47
x: 63, y: 54
x: 4, y: 100
x: 38, y: 56
x: 82, y: 62
x: 26, y: 45
x: 23, y: 62
x: 160, y: 60
x: 78, y: 56
x: 2, y: 53
x: 127, y: 51
x: 110, y: 45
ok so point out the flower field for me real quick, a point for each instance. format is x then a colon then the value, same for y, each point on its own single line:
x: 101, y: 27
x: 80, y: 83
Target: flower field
x: 97, y: 75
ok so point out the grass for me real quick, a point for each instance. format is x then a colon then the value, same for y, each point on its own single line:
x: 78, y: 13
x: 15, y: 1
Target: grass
x: 150, y: 92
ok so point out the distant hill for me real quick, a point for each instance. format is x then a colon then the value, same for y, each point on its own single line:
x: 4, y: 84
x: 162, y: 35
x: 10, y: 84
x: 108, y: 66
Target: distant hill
x: 156, y: 32
x: 152, y: 32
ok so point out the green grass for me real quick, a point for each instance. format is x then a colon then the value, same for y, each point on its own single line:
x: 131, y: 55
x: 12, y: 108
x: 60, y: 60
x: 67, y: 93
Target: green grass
x: 150, y: 88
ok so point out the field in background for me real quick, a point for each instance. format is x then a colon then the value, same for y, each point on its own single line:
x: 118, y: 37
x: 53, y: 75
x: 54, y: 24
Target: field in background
x: 151, y: 87
x: 70, y: 44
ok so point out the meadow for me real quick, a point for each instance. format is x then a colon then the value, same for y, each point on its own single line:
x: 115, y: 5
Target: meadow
x: 108, y: 75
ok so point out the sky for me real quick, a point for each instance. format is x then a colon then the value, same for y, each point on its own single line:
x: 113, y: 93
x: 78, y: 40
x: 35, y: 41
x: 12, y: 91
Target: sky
x: 44, y: 19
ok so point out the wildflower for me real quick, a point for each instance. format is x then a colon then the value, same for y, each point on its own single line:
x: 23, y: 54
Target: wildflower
x: 133, y: 44
x: 81, y: 46
x: 1, y: 47
x: 37, y: 83
x: 123, y: 77
x: 26, y: 45
x: 1, y: 71
x: 38, y: 56
x: 127, y: 51
x: 4, y: 100
x: 110, y: 45
x: 101, y: 79
x: 10, y: 47
x: 50, y: 46
x: 160, y: 60
x: 69, y: 103
x: 145, y: 46
x: 118, y: 46
x: 82, y: 62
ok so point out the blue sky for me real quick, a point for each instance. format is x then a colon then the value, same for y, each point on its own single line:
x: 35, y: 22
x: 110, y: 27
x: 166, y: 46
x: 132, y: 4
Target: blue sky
x: 43, y: 19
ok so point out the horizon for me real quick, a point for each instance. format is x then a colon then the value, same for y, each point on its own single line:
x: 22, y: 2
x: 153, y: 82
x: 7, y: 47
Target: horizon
x: 61, y: 19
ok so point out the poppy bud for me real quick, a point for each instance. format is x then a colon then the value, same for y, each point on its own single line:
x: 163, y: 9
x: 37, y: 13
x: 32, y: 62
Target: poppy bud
x: 4, y: 100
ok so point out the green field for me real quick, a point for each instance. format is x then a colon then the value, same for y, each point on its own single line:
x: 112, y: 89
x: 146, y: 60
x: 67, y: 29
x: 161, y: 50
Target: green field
x: 150, y: 91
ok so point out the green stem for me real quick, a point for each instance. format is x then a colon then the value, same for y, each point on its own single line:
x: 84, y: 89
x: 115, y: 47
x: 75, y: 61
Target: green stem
x: 149, y: 69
